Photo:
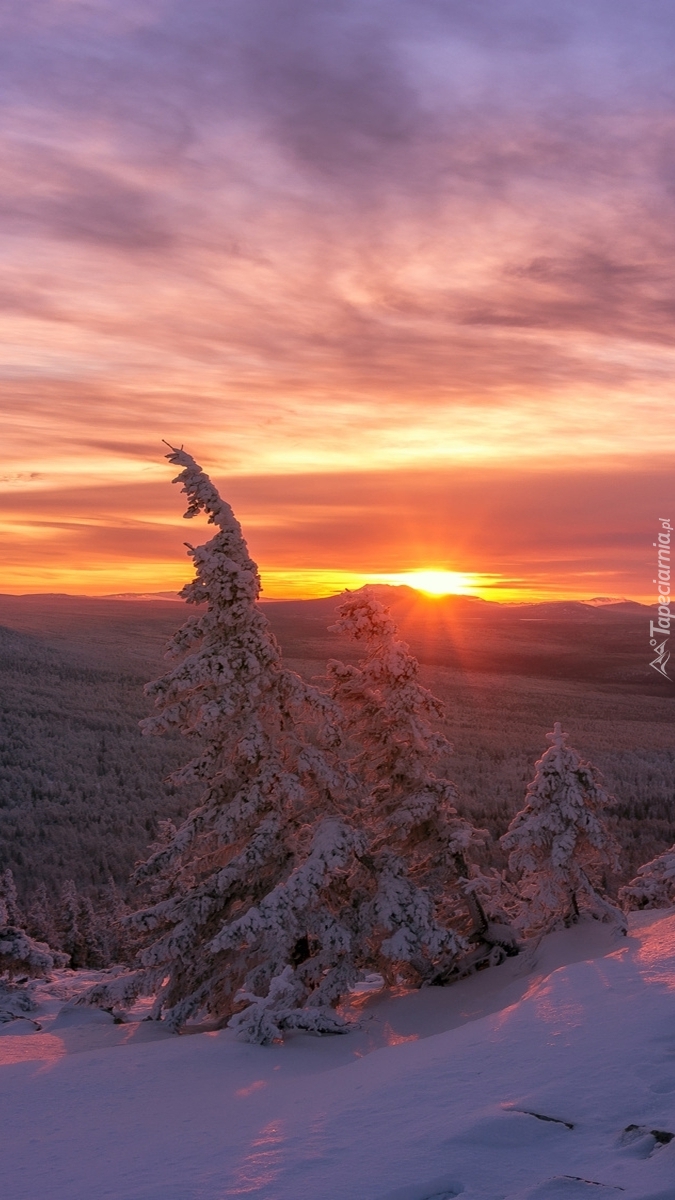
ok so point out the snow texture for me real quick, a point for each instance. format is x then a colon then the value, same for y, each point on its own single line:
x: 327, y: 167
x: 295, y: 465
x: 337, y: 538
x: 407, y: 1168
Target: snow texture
x: 552, y: 1078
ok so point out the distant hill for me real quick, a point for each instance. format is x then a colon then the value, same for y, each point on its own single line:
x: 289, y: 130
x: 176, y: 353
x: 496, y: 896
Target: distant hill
x: 559, y: 639
x: 602, y: 643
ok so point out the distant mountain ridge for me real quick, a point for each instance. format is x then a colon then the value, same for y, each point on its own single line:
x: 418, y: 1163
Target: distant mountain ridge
x: 390, y: 593
x: 603, y: 643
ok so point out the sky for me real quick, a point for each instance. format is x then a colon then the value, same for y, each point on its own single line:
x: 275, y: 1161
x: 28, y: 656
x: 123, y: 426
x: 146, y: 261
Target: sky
x: 399, y: 273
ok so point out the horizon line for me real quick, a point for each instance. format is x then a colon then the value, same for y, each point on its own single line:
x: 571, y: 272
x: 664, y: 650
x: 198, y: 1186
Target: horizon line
x: 172, y: 597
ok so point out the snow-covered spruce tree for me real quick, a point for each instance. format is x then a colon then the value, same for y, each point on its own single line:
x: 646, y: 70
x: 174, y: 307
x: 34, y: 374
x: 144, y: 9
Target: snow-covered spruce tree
x: 116, y: 940
x: 654, y: 884
x: 20, y: 954
x: 40, y: 917
x: 560, y: 844
x: 69, y: 934
x: 247, y: 893
x: 93, y: 933
x: 413, y: 908
x: 21, y: 958
x: 9, y: 899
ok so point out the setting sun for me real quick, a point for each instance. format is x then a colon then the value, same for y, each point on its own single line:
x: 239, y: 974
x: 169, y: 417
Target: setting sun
x: 436, y: 583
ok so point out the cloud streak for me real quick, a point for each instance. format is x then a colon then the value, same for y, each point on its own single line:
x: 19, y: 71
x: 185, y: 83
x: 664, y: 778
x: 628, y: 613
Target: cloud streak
x: 341, y: 238
x: 535, y: 532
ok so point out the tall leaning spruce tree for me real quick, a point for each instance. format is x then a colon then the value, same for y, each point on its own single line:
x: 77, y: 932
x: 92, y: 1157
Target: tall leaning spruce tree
x: 247, y: 892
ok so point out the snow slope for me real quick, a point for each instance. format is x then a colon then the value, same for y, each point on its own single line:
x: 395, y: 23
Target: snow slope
x: 434, y: 1095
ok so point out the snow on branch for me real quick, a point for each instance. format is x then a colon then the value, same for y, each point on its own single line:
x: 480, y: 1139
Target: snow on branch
x: 654, y: 884
x: 248, y: 864
x: 21, y: 955
x: 560, y: 844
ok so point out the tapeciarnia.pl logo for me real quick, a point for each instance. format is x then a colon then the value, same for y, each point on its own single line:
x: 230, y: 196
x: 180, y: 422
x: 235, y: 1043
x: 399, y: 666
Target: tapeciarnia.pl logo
x: 661, y: 627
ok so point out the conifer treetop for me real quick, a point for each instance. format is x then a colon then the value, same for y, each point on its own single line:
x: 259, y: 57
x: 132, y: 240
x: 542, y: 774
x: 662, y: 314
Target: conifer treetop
x: 557, y: 738
x: 241, y: 579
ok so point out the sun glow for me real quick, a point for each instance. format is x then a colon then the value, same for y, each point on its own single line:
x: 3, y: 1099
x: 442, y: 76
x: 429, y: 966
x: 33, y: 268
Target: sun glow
x: 290, y: 584
x: 436, y: 583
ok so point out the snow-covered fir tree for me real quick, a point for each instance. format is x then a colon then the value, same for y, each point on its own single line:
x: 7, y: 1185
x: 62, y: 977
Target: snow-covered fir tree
x: 20, y: 954
x: 9, y: 903
x: 414, y: 907
x: 69, y: 934
x: 247, y: 892
x: 92, y: 935
x: 115, y: 936
x: 40, y: 923
x: 654, y: 884
x: 21, y: 958
x: 560, y: 845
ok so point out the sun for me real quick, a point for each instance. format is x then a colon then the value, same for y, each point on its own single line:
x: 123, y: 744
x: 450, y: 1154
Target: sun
x: 437, y: 583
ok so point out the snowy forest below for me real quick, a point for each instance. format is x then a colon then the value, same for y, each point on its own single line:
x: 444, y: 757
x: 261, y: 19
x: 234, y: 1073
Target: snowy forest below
x: 82, y: 791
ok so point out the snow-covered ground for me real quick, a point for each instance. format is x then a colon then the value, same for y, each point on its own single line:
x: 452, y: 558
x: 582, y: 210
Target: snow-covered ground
x: 539, y: 1080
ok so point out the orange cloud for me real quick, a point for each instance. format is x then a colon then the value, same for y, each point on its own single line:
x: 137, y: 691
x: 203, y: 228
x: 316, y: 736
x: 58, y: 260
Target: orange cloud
x: 401, y: 275
x: 516, y: 533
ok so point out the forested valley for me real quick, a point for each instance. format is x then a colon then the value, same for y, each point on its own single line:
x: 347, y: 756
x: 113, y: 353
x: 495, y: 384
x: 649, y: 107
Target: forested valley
x: 82, y: 792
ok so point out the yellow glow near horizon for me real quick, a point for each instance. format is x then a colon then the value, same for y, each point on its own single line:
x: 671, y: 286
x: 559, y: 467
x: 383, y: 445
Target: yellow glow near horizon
x: 307, y: 584
x: 100, y: 579
x: 436, y: 582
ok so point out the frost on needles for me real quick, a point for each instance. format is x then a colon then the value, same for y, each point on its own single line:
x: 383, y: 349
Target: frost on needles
x: 21, y: 956
x: 246, y: 878
x: 417, y: 841
x: 300, y: 869
x: 560, y: 844
x: 654, y: 884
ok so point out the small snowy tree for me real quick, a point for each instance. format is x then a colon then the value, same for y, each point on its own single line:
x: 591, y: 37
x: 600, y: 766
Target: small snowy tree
x: 560, y: 845
x: 93, y: 934
x: 20, y: 954
x: 654, y: 884
x: 21, y: 958
x: 70, y: 936
x: 114, y: 933
x: 247, y: 893
x: 414, y: 908
x: 8, y: 899
x: 40, y: 917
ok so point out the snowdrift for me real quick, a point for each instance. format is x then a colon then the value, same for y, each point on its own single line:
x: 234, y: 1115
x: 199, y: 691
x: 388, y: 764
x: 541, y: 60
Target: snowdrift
x: 549, y: 1078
